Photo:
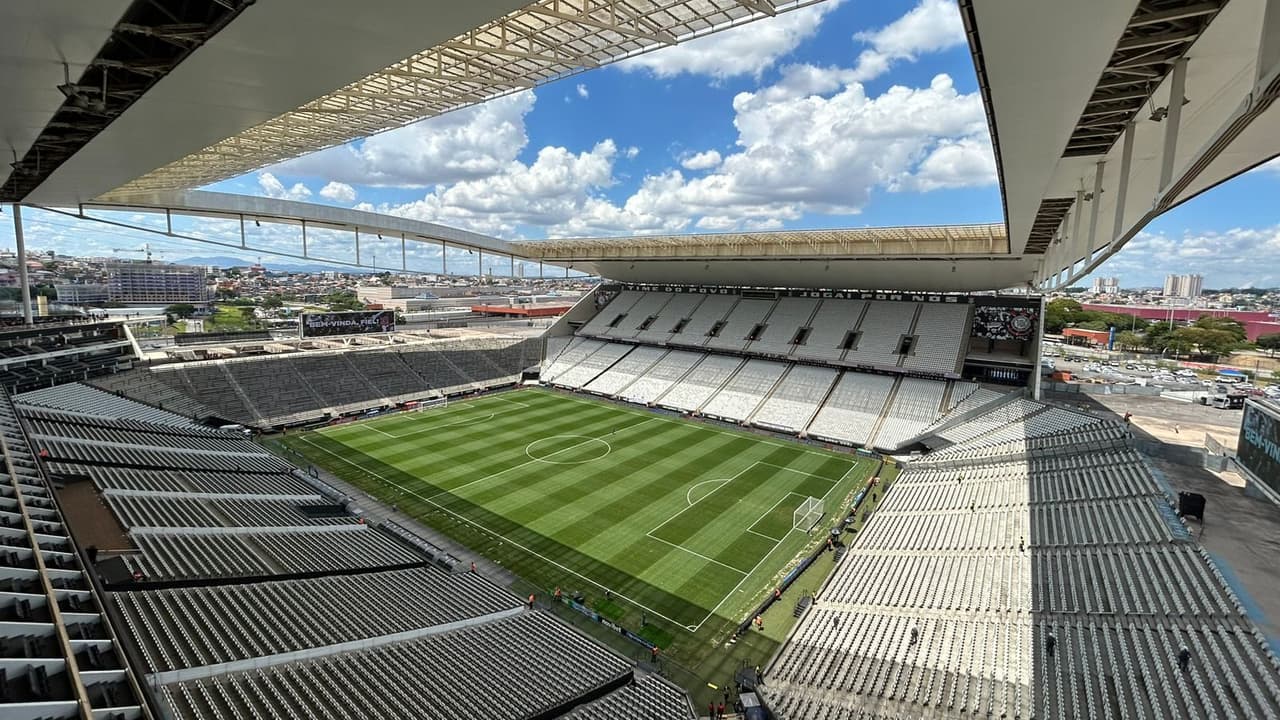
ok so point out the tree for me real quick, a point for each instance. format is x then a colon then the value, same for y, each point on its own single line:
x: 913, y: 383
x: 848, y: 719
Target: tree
x: 1129, y: 340
x: 272, y: 302
x: 181, y: 310
x: 1210, y: 342
x: 1225, y: 324
x: 1270, y: 342
x: 1061, y: 312
x: 343, y: 300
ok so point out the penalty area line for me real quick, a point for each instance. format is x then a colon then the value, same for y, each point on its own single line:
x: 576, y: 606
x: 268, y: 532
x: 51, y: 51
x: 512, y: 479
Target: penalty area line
x: 505, y: 539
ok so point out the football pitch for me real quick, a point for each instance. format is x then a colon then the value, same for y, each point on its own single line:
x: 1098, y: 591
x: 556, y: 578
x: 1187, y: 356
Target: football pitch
x: 683, y: 520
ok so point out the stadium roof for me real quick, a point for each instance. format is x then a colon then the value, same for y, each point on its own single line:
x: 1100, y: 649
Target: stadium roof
x: 1089, y: 147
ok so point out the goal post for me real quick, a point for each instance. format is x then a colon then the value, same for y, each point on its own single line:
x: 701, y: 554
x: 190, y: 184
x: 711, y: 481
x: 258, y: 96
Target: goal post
x: 807, y: 515
x: 431, y: 404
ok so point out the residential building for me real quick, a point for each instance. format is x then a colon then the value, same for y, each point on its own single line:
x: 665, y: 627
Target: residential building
x: 1106, y: 286
x: 144, y: 283
x: 1183, y: 286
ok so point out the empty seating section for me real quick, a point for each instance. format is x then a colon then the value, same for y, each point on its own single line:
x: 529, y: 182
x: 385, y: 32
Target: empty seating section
x: 89, y: 428
x: 880, y: 333
x: 649, y: 698
x: 788, y: 316
x: 88, y: 400
x: 58, y: 658
x: 795, y: 399
x: 741, y: 321
x: 274, y: 385
x: 386, y: 371
x: 697, y: 387
x: 661, y: 376
x: 297, y: 387
x: 120, y: 478
x: 520, y: 667
x: 647, y: 305
x: 625, y: 371
x: 1057, y: 584
x: 830, y: 328
x: 208, y: 385
x: 190, y: 627
x: 678, y: 309
x: 147, y: 509
x: 738, y: 399
x: 215, y: 553
x: 852, y: 409
x: 577, y: 351
x: 940, y: 332
x: 95, y: 453
x: 988, y: 422
x: 142, y: 384
x: 592, y: 365
x: 614, y: 314
x: 334, y: 373
x: 914, y: 407
x: 709, y: 313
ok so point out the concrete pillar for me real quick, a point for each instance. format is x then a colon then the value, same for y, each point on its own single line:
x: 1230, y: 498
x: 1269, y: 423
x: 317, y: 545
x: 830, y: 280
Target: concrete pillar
x: 23, y: 282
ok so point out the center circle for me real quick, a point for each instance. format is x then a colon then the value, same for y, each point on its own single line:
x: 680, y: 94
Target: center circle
x: 592, y: 448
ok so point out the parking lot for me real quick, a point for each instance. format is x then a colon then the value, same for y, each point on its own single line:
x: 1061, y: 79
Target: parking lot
x: 1180, y: 383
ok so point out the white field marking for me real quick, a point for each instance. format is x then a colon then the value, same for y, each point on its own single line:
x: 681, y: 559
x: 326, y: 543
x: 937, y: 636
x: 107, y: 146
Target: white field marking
x: 697, y: 554
x: 798, y: 472
x: 503, y: 538
x: 608, y: 449
x: 712, y: 428
x: 688, y: 494
x: 530, y: 461
x: 465, y: 421
x: 730, y: 479
x: 730, y: 594
x: 467, y: 405
x: 371, y: 424
x: 771, y: 509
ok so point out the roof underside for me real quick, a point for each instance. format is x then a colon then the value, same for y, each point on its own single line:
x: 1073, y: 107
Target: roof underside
x: 542, y: 42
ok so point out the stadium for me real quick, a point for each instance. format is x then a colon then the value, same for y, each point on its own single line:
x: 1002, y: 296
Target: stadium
x: 782, y: 474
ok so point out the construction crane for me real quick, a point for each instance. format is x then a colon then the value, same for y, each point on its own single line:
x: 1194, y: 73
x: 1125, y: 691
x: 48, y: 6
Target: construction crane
x: 145, y: 249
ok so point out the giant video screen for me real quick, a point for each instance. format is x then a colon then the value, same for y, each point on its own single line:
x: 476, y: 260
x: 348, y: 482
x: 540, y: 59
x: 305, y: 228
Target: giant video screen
x: 348, y: 323
x: 1259, y: 446
x: 996, y: 322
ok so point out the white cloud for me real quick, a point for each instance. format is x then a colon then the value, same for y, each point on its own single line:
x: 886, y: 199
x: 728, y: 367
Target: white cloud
x: 466, y: 144
x: 632, y: 152
x: 965, y: 162
x: 583, y: 92
x: 1271, y: 166
x: 746, y: 50
x: 339, y: 192
x: 273, y: 188
x: 1239, y: 257
x: 547, y: 192
x: 702, y: 161
x: 930, y: 26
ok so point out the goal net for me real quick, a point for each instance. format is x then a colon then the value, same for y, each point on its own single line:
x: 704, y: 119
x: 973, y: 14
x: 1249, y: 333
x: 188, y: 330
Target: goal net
x: 432, y: 404
x: 807, y: 514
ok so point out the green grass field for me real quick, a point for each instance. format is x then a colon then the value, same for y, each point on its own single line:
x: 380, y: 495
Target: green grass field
x: 685, y: 523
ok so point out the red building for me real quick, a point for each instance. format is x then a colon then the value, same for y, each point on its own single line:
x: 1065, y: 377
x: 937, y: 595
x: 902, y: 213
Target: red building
x: 1256, y: 322
x: 1096, y: 338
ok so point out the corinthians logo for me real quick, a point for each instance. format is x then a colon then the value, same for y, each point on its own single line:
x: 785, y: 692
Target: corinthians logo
x: 1019, y: 325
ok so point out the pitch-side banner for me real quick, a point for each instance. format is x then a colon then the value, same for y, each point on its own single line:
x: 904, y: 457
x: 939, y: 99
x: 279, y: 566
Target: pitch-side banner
x: 348, y: 323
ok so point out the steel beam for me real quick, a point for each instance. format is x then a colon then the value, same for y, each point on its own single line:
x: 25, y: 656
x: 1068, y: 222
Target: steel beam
x: 1122, y: 188
x: 1173, y: 122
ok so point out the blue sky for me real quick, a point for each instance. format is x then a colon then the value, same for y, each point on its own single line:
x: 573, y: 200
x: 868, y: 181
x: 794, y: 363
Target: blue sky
x: 846, y: 113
